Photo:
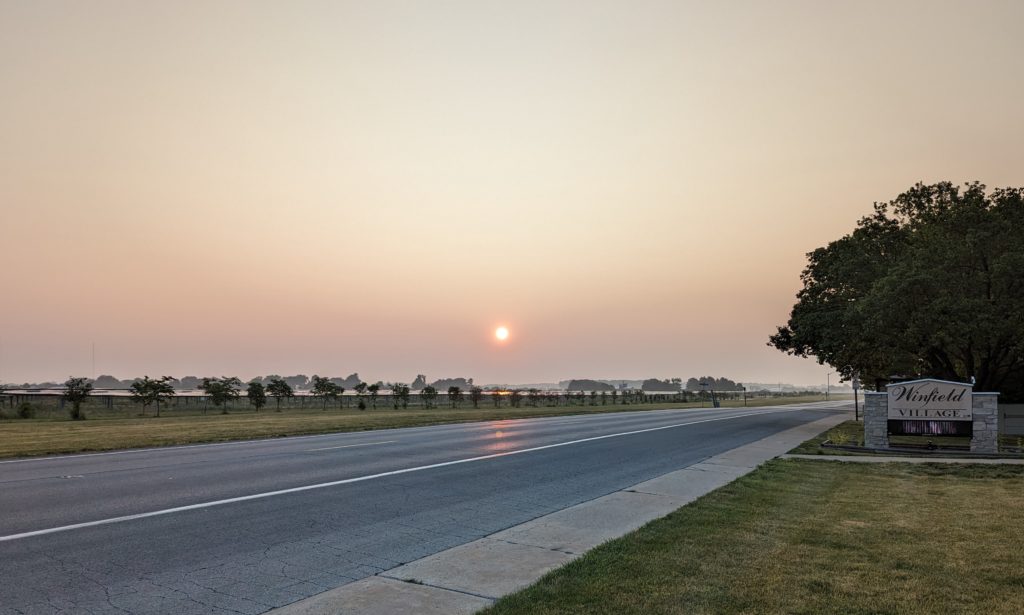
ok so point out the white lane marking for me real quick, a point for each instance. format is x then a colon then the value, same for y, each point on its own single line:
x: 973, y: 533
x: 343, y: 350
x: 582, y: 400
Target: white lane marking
x: 331, y: 448
x: 359, y: 479
x: 566, y: 419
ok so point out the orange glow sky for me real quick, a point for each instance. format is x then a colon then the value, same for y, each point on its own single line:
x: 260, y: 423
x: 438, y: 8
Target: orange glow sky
x: 243, y: 188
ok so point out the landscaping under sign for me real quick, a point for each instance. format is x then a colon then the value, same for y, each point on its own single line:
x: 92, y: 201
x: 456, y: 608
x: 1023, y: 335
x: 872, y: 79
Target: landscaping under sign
x: 930, y: 407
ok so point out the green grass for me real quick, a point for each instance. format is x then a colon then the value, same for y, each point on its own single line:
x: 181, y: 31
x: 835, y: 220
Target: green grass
x: 803, y: 537
x: 847, y: 433
x: 56, y: 434
x: 851, y: 433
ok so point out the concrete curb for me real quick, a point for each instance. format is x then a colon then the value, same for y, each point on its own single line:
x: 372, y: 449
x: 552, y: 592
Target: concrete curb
x: 469, y: 577
x: 896, y: 459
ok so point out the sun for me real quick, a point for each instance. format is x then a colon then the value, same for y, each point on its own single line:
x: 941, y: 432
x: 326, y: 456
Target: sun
x: 501, y: 333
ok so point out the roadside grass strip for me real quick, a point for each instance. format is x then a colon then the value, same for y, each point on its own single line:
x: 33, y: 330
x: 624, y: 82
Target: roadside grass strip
x: 798, y: 536
x: 851, y: 433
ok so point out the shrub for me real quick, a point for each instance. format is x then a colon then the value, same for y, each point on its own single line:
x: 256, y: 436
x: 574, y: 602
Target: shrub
x: 26, y: 411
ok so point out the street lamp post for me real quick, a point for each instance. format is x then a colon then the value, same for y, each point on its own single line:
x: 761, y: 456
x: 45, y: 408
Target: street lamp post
x: 828, y: 384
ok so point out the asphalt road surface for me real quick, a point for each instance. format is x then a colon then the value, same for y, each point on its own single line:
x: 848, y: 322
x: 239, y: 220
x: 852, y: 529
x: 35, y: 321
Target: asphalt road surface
x: 244, y: 527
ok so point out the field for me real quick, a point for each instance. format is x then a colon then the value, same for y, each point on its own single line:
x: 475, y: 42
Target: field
x: 800, y: 536
x: 122, y: 426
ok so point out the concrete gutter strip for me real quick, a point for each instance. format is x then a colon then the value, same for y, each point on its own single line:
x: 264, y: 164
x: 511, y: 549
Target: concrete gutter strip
x: 897, y: 459
x: 469, y: 577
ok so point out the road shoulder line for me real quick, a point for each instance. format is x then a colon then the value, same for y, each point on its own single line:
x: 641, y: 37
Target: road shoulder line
x: 468, y: 577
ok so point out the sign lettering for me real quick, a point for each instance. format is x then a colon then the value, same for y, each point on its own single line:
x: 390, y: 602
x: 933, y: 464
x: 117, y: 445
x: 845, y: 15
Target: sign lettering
x: 934, y: 400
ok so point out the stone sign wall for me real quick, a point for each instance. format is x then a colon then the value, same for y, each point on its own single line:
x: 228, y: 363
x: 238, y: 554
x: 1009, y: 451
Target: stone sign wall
x: 986, y: 423
x: 876, y: 420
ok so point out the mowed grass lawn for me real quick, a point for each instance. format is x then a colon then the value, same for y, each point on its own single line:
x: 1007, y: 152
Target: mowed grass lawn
x: 19, y: 437
x: 851, y: 433
x: 800, y: 536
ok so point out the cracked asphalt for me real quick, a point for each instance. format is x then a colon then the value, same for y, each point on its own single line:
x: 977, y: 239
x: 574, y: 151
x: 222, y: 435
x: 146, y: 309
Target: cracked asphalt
x: 254, y: 555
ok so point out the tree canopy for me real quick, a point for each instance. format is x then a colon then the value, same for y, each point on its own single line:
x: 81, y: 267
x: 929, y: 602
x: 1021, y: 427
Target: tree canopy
x: 715, y: 384
x: 400, y: 395
x: 447, y: 383
x: 586, y: 384
x: 152, y: 391
x: 257, y: 394
x: 325, y: 389
x: 673, y: 385
x: 454, y: 396
x: 428, y: 395
x: 76, y: 391
x: 475, y: 395
x: 929, y: 285
x: 221, y: 390
x: 279, y: 389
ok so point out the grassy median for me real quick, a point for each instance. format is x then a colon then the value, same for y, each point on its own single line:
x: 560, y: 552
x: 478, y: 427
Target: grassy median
x: 801, y: 536
x: 19, y: 437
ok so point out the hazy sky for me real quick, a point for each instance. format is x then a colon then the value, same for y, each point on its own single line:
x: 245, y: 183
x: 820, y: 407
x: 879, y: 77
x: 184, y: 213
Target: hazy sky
x: 326, y: 187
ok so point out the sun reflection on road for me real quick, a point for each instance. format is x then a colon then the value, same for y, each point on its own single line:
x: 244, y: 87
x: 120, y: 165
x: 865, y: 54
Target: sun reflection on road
x: 499, y: 441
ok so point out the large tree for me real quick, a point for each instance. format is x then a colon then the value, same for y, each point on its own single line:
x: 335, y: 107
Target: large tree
x: 930, y: 284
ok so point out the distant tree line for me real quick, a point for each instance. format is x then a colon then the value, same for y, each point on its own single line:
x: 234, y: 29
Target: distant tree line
x: 654, y: 385
x: 324, y: 387
x: 296, y: 382
x: 223, y: 393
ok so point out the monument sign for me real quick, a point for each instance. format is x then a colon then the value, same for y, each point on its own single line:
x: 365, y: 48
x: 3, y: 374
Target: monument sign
x: 930, y: 407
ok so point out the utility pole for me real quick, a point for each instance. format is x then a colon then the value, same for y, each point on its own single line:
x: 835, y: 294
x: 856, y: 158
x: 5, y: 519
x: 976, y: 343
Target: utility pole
x: 828, y: 384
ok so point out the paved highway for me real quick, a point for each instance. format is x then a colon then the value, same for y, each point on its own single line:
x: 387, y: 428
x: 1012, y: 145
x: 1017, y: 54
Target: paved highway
x: 248, y: 526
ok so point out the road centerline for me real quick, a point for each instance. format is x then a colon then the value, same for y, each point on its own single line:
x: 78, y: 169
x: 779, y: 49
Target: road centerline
x: 357, y: 479
x: 482, y: 425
